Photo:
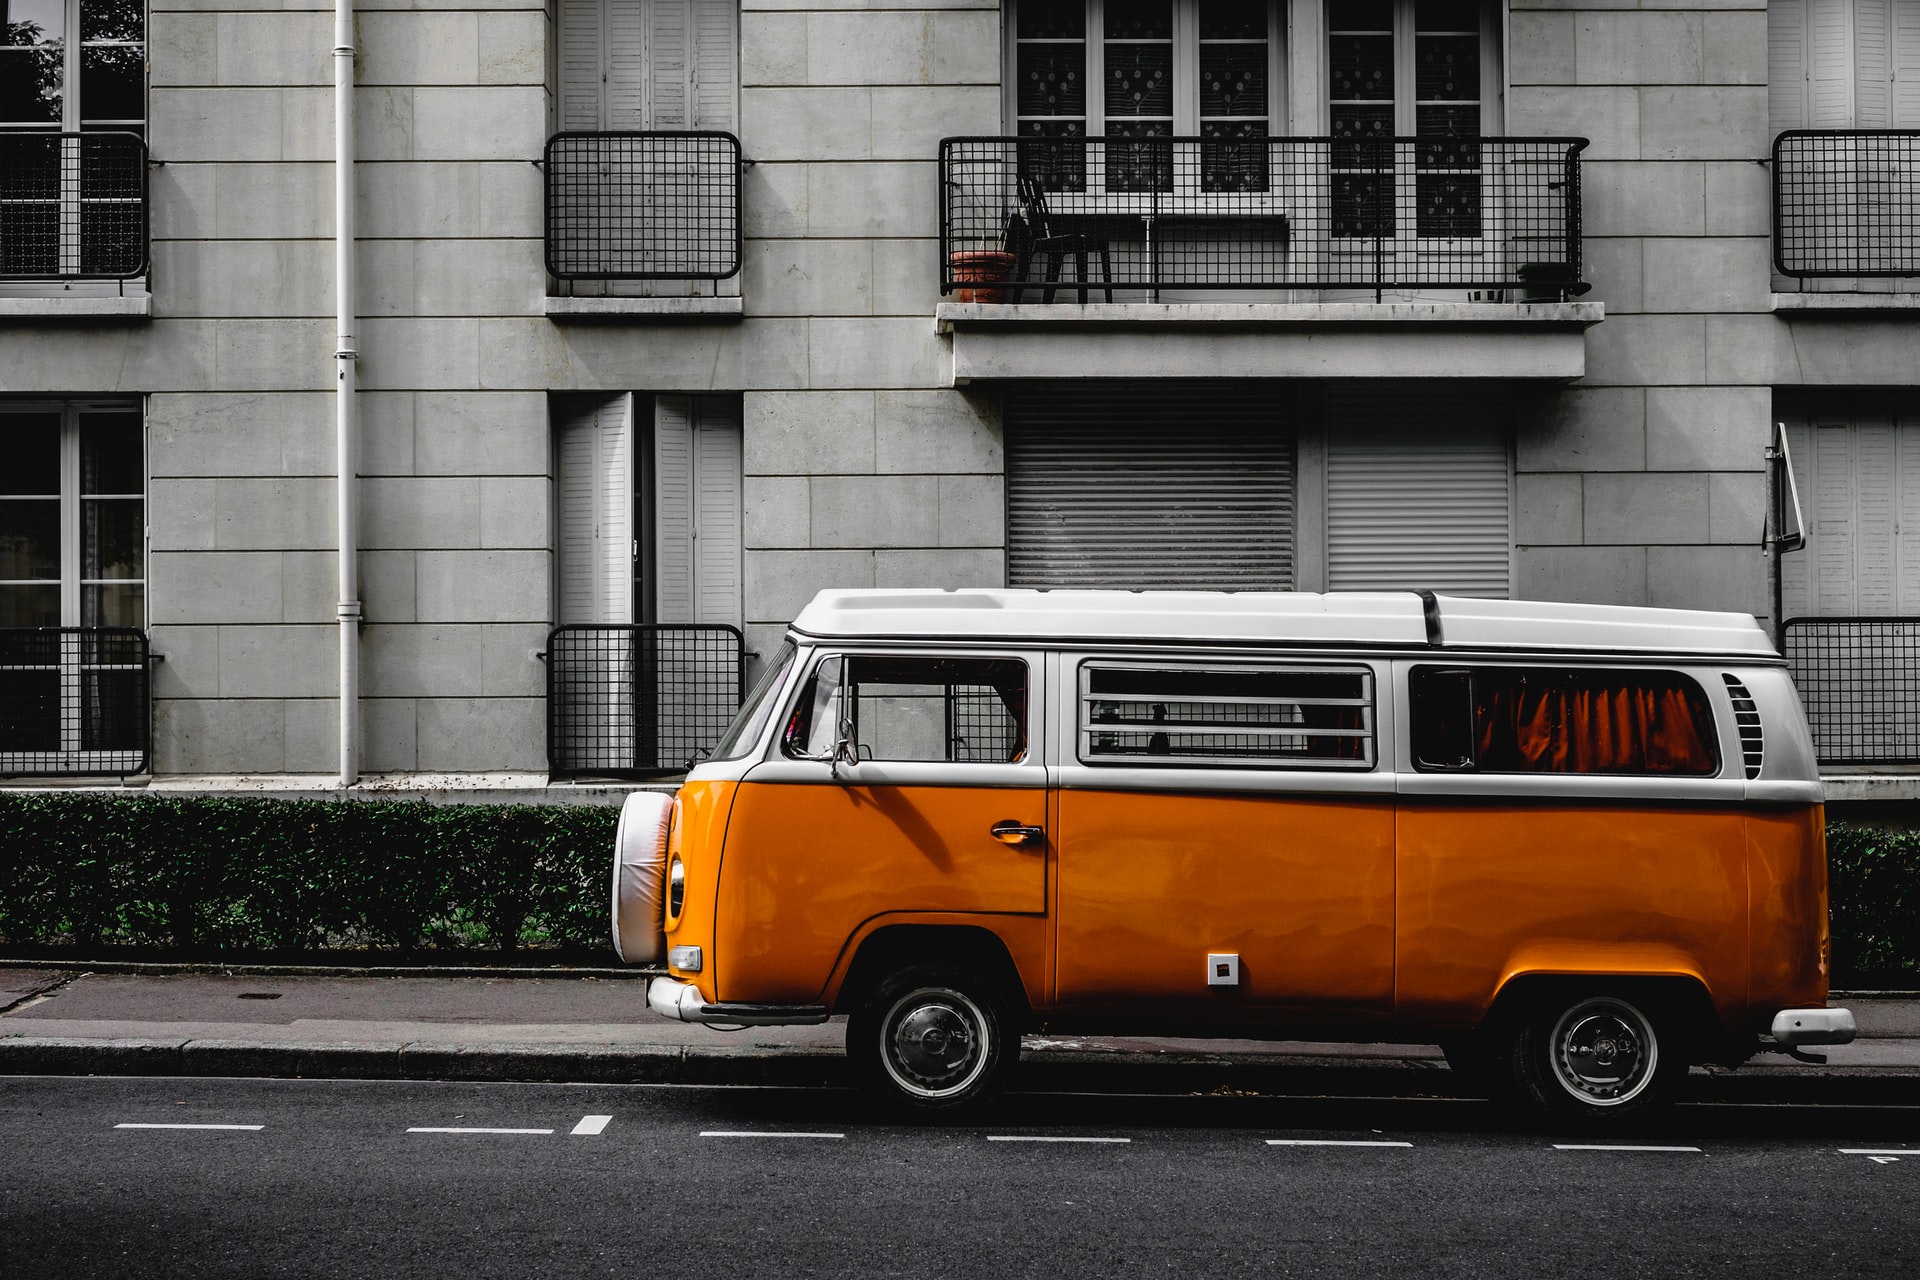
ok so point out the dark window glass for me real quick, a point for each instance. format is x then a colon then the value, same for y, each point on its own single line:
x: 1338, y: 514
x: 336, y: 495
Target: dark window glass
x: 1543, y: 720
x: 32, y: 442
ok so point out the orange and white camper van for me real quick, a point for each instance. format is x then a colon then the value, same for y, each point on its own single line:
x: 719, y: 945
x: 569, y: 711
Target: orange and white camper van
x: 1579, y: 846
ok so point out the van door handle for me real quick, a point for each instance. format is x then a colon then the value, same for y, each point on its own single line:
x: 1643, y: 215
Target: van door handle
x: 1014, y: 833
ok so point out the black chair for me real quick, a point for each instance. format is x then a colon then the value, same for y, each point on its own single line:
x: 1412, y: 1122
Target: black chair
x: 1031, y: 234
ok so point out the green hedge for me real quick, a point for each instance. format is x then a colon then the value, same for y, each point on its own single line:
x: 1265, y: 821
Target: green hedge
x: 203, y: 876
x: 224, y: 876
x: 1874, y: 901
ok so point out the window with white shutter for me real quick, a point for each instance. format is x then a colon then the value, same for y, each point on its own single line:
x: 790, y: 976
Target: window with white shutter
x: 649, y: 64
x: 1843, y: 64
x: 1856, y: 460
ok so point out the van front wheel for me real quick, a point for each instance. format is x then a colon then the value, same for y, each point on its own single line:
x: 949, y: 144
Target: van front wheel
x: 1595, y: 1061
x: 932, y: 1040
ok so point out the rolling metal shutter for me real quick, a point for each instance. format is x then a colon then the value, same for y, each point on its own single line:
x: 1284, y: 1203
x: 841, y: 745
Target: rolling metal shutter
x: 1419, y: 493
x: 1149, y: 485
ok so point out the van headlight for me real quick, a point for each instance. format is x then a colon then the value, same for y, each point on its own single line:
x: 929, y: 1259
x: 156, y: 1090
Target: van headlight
x: 676, y: 889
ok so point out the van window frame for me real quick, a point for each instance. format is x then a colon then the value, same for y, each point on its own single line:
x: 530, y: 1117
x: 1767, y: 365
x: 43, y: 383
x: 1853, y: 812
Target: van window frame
x: 1084, y: 727
x: 821, y: 657
x: 1709, y: 725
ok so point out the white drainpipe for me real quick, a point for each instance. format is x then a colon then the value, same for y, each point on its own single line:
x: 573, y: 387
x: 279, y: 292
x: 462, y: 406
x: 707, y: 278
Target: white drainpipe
x: 347, y: 415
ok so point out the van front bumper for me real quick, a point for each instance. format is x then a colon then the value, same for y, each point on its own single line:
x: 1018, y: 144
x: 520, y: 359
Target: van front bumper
x: 1793, y: 1028
x: 683, y: 1002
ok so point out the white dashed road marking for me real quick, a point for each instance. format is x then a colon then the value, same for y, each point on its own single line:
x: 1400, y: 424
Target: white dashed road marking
x: 249, y: 1128
x: 748, y: 1133
x: 1607, y: 1146
x: 1330, y: 1142
x: 1879, y: 1151
x: 1037, y: 1137
x: 591, y: 1124
x: 425, y: 1129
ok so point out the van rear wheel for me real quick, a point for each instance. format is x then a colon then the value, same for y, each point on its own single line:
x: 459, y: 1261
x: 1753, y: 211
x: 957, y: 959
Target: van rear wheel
x: 933, y: 1041
x: 1595, y: 1061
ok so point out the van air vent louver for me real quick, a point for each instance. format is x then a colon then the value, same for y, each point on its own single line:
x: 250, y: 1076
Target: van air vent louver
x: 1747, y: 716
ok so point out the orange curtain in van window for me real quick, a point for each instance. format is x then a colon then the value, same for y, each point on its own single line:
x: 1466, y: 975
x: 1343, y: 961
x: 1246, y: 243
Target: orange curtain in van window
x: 1565, y: 722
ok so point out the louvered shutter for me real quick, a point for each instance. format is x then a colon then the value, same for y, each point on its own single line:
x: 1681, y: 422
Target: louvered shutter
x: 596, y: 511
x: 1858, y: 466
x: 673, y: 565
x: 1830, y: 65
x: 1419, y: 493
x: 716, y: 89
x: 1155, y: 485
x: 1872, y: 65
x: 1787, y: 64
x: 582, y: 39
x: 718, y: 515
x: 1906, y: 64
x: 649, y: 64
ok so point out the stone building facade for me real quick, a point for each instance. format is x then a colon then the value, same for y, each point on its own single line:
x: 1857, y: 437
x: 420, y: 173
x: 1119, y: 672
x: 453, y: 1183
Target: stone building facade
x: 1453, y: 426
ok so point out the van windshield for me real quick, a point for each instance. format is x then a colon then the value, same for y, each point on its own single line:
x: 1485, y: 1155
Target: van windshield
x: 755, y: 711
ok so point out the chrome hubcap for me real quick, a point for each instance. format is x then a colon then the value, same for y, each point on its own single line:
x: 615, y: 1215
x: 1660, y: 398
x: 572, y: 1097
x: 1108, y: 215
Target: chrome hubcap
x: 935, y: 1043
x: 1604, y: 1051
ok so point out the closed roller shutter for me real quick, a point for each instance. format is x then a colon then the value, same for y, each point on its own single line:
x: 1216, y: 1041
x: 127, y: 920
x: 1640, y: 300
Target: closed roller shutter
x: 1155, y: 485
x: 1418, y: 490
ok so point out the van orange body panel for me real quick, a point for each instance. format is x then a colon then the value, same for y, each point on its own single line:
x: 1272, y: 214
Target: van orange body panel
x: 699, y: 831
x: 1493, y: 890
x: 1026, y: 938
x: 1787, y: 853
x: 808, y: 866
x: 1301, y: 887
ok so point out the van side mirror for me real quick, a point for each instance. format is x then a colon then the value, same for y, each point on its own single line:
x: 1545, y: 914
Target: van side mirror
x: 845, y: 749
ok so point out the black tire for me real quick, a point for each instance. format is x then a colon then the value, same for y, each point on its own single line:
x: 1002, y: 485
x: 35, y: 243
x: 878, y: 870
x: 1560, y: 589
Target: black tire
x: 1595, y: 1061
x: 933, y: 1040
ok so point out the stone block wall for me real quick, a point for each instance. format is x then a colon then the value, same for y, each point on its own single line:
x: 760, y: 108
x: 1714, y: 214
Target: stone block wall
x: 1643, y: 482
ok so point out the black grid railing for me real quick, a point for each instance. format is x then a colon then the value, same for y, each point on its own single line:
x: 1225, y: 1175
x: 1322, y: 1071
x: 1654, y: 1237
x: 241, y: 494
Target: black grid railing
x: 1860, y: 681
x: 73, y: 206
x: 641, y: 700
x: 74, y: 701
x: 643, y: 205
x: 1846, y: 202
x: 1106, y: 219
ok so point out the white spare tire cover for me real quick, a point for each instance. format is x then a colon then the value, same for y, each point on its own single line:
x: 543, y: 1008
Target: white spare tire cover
x: 640, y: 878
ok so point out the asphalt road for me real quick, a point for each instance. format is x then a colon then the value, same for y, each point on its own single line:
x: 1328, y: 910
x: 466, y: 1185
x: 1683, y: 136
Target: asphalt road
x: 369, y: 1178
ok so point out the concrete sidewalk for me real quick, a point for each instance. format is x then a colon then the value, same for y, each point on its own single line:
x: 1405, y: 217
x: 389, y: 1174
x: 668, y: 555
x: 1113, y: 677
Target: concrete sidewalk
x: 596, y: 1027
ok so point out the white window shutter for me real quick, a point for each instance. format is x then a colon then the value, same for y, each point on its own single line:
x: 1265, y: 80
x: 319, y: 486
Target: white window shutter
x: 718, y: 513
x: 1830, y: 64
x: 673, y: 561
x: 1787, y: 64
x: 1796, y: 586
x: 1874, y: 490
x: 582, y: 77
x: 1906, y: 65
x: 1419, y: 492
x: 1832, y: 549
x: 669, y: 64
x: 626, y: 64
x: 1872, y: 65
x: 596, y: 511
x: 716, y: 90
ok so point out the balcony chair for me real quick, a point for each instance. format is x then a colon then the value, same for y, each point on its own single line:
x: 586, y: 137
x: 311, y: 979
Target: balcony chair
x: 1031, y: 234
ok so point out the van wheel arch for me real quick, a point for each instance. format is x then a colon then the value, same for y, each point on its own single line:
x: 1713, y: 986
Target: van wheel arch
x: 893, y: 948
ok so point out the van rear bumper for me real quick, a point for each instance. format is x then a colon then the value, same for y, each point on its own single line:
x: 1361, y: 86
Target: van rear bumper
x: 683, y: 1002
x: 1795, y: 1027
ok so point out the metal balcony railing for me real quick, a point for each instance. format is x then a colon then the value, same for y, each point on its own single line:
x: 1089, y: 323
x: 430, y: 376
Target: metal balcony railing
x: 73, y: 206
x: 1846, y: 202
x: 74, y: 701
x: 1024, y: 219
x: 643, y: 205
x: 638, y: 701
x: 1860, y: 681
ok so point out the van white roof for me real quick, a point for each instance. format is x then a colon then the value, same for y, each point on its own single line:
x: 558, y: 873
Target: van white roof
x: 1394, y: 618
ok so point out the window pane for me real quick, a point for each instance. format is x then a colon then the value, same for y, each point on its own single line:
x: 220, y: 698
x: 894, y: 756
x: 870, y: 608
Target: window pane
x: 33, y: 453
x: 1056, y: 166
x: 113, y: 604
x: 29, y: 710
x: 31, y: 88
x: 1139, y: 80
x: 958, y: 709
x: 1361, y: 15
x: 110, y: 454
x: 113, y: 20
x: 111, y: 534
x: 29, y: 606
x: 1233, y: 80
x: 1234, y: 166
x: 1053, y: 20
x: 1446, y: 15
x: 29, y: 538
x: 112, y: 82
x: 33, y: 21
x: 1362, y: 68
x: 1233, y: 20
x: 1139, y: 20
x: 113, y: 711
x: 1446, y: 68
x: 1543, y: 721
x: 1255, y: 716
x: 1053, y: 80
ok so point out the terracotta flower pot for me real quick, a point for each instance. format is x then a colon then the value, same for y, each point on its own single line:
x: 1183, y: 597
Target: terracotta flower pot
x: 979, y: 266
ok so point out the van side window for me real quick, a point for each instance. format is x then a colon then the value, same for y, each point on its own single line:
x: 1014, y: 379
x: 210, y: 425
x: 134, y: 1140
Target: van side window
x: 1140, y: 713
x: 1546, y: 720
x: 948, y: 709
